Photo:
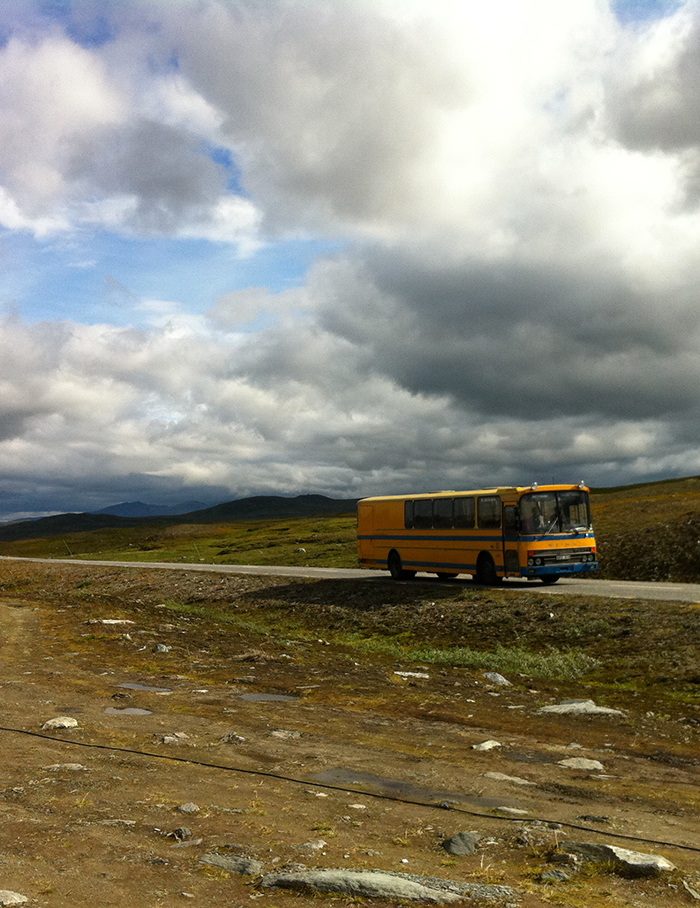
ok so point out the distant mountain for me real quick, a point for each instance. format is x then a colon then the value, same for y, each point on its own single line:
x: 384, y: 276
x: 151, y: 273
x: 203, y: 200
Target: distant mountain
x: 261, y: 507
x: 141, y: 509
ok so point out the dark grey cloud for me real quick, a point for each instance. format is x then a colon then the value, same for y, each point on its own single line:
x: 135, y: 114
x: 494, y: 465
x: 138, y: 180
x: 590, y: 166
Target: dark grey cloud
x: 516, y: 341
x: 164, y: 170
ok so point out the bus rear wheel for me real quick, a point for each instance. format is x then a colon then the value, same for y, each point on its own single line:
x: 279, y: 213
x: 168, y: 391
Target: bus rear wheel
x: 548, y: 579
x: 396, y: 569
x: 486, y: 571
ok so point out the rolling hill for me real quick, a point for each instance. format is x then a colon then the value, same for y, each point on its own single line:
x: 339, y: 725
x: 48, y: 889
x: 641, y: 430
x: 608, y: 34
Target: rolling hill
x: 260, y: 507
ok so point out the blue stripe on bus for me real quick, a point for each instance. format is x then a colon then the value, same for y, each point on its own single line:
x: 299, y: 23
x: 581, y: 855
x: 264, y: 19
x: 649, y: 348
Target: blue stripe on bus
x: 497, y: 537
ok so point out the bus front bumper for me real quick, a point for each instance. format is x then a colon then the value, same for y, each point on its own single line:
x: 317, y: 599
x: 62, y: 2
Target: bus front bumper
x: 559, y: 569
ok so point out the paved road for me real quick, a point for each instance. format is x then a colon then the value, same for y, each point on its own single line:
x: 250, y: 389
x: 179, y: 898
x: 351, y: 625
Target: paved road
x: 623, y: 589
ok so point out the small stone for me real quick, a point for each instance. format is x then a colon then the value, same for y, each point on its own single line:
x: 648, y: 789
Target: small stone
x: 175, y: 737
x: 581, y: 763
x: 461, y: 843
x: 189, y: 807
x: 511, y: 811
x: 421, y: 675
x: 357, y: 806
x: 554, y: 876
x: 497, y: 678
x: 181, y: 833
x: 161, y: 648
x: 232, y: 738
x: 284, y: 734
x: 501, y: 777
x: 314, y: 845
x: 487, y: 745
x: 60, y: 722
x: 110, y: 621
x: 64, y: 767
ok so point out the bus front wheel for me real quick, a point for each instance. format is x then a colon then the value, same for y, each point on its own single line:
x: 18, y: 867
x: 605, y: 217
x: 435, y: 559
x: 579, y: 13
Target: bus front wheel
x: 548, y: 579
x: 486, y: 571
x: 396, y: 569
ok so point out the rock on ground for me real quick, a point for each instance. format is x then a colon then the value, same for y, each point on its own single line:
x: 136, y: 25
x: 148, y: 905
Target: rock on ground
x: 383, y: 884
x: 487, y: 745
x: 633, y: 863
x: 60, y: 722
x: 497, y: 678
x: 462, y: 843
x: 372, y: 884
x: 581, y: 763
x: 7, y: 897
x: 580, y: 708
x: 502, y: 777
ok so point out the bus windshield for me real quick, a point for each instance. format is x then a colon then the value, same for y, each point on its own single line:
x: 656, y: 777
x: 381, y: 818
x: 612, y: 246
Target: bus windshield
x: 555, y: 512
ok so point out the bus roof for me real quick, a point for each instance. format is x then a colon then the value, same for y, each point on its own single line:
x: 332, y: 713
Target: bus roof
x: 495, y: 490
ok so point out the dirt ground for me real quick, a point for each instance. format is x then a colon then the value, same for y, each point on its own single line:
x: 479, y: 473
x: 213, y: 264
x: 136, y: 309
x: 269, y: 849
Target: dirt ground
x: 299, y: 781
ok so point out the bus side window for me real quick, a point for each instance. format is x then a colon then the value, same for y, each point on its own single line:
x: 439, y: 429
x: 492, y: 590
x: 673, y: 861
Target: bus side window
x: 408, y: 514
x: 442, y: 513
x: 464, y: 513
x: 422, y: 514
x: 489, y: 510
x: 511, y: 520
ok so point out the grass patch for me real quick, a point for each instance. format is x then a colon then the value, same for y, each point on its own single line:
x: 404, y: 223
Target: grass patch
x: 553, y: 663
x: 550, y: 663
x: 304, y: 541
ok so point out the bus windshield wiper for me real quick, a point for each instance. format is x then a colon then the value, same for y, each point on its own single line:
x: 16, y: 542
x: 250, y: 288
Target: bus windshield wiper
x: 550, y: 526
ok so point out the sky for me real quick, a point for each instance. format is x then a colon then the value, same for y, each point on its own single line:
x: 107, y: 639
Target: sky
x: 346, y: 247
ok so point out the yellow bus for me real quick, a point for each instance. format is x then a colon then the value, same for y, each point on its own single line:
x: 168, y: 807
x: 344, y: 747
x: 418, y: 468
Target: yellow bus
x: 535, y: 532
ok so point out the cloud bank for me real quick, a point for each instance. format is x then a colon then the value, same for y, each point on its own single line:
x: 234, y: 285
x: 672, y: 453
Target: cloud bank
x: 515, y: 193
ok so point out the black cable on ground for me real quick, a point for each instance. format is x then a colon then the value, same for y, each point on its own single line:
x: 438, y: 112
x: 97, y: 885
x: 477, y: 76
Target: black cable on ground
x: 369, y: 794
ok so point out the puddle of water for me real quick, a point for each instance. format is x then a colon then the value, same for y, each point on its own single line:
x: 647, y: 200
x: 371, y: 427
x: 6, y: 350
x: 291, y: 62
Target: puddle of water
x: 133, y: 685
x: 266, y: 698
x: 128, y: 711
x: 402, y: 789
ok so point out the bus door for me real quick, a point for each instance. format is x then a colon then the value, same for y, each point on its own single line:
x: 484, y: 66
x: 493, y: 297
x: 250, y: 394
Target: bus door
x: 511, y: 528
